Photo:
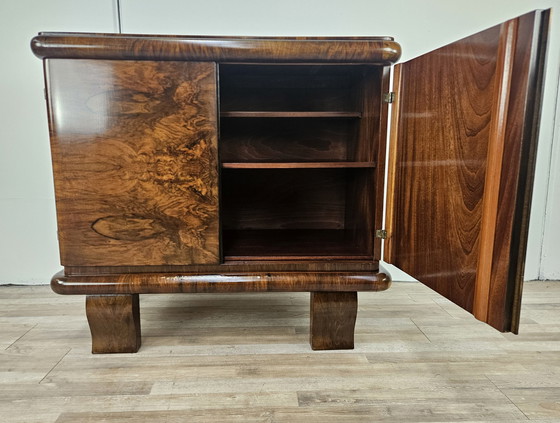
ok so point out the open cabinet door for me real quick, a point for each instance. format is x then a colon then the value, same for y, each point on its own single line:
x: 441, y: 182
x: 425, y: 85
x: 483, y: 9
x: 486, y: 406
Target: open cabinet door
x: 464, y: 131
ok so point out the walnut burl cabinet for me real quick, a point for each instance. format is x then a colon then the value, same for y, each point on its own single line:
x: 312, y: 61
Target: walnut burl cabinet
x: 237, y: 164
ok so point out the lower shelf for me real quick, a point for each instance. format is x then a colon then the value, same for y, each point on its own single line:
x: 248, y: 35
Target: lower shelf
x: 281, y: 244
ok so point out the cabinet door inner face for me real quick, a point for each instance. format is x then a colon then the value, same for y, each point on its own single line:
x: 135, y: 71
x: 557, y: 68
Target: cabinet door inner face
x: 461, y: 166
x: 134, y: 147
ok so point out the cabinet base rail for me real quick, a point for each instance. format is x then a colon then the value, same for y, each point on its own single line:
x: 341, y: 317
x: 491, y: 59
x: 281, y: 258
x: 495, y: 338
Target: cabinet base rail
x: 113, y: 306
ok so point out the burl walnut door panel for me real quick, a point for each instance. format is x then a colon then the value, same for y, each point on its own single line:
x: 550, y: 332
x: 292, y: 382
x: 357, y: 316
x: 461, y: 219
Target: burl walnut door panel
x: 134, y: 148
x: 461, y: 166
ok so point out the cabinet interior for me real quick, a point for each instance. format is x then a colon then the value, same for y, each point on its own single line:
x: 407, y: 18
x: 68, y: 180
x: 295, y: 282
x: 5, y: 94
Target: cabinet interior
x: 298, y: 146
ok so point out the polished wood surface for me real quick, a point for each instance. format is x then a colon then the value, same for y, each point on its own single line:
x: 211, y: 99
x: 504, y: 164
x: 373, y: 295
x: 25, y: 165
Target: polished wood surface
x: 312, y: 208
x: 285, y: 265
x: 380, y: 160
x: 289, y: 199
x: 114, y: 322
x: 393, y: 154
x: 494, y: 162
x: 147, y: 283
x: 245, y: 359
x: 448, y: 211
x: 516, y: 184
x: 445, y: 109
x: 377, y: 50
x: 333, y: 317
x: 134, y: 148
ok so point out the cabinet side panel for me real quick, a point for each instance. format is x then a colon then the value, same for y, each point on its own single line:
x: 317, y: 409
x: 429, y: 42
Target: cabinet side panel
x: 134, y: 148
x: 445, y: 110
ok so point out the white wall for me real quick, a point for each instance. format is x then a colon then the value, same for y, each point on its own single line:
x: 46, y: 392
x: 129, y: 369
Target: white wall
x: 28, y: 246
x: 28, y: 249
x: 550, y: 252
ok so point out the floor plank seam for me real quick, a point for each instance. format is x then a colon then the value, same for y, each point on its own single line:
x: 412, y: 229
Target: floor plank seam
x: 54, y: 367
x: 443, y: 308
x: 421, y: 331
x: 505, y: 395
x: 30, y: 329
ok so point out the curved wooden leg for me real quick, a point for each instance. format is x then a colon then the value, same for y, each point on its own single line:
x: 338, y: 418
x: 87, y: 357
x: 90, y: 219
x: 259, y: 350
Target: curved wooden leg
x: 333, y: 317
x: 114, y: 322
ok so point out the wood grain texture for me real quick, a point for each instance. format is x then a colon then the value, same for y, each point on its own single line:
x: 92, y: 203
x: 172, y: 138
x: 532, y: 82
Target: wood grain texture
x: 288, y: 265
x: 245, y: 358
x: 286, y: 140
x: 392, y: 165
x: 134, y: 148
x: 445, y: 110
x: 378, y: 50
x: 516, y: 184
x: 333, y: 317
x: 444, y: 173
x: 303, y: 88
x: 380, y: 155
x: 291, y: 244
x: 148, y: 283
x: 284, y: 198
x: 494, y: 161
x: 114, y: 322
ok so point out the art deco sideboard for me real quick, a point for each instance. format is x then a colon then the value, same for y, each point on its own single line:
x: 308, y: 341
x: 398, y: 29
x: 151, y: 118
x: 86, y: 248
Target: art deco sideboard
x: 245, y: 164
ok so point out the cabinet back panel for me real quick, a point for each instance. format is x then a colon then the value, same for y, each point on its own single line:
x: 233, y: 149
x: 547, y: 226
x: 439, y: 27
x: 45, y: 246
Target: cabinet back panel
x: 294, y: 88
x: 276, y: 140
x: 134, y: 148
x: 283, y: 199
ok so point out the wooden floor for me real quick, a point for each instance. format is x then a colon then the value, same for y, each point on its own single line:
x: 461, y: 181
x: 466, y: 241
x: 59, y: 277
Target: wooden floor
x: 246, y: 358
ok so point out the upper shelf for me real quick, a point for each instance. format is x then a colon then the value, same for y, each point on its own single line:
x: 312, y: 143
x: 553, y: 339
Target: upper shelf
x: 372, y: 50
x: 284, y: 114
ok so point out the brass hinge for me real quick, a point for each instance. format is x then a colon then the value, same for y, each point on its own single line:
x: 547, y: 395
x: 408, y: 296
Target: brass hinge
x: 389, y: 97
x: 381, y: 233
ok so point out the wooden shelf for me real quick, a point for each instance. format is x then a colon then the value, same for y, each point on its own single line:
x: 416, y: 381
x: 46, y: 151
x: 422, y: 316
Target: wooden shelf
x: 303, y: 244
x: 288, y: 114
x: 298, y: 165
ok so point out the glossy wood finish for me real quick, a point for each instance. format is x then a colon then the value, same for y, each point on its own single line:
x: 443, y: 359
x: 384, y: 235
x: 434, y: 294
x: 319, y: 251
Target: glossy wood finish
x: 460, y: 109
x: 494, y: 162
x: 134, y: 148
x: 287, y: 265
x: 445, y: 105
x: 333, y: 317
x: 149, y: 283
x: 114, y: 322
x: 516, y: 188
x: 380, y: 159
x: 313, y: 208
x: 377, y: 50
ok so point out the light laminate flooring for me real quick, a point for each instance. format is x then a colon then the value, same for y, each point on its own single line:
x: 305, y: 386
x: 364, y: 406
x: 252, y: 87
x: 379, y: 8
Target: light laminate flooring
x: 246, y: 358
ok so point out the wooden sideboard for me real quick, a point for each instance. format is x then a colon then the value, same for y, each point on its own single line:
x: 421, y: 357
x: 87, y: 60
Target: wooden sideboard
x: 245, y: 164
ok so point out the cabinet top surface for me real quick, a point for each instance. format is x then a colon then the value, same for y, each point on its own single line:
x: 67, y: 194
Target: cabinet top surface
x: 373, y: 50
